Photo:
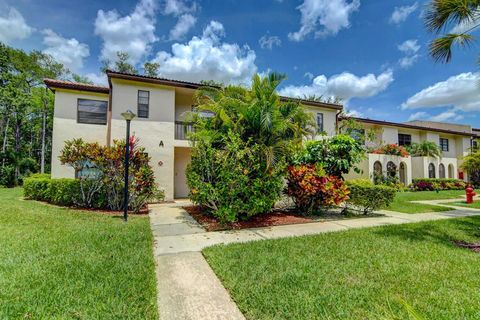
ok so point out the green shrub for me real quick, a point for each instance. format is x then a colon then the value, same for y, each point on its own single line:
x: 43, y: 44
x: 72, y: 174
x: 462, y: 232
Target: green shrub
x: 370, y: 197
x: 337, y: 155
x: 64, y: 192
x: 232, y: 183
x: 431, y: 184
x: 363, y: 182
x: 37, y: 188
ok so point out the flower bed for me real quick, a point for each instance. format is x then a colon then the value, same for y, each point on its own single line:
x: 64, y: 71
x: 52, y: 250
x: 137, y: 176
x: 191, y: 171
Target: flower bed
x: 393, y: 150
x: 430, y: 184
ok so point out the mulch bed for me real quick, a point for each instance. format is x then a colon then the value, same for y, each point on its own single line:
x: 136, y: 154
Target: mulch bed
x: 275, y: 218
x: 475, y: 247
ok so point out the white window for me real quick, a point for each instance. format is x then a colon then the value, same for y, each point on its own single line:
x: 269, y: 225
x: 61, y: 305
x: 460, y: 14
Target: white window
x: 143, y: 103
x: 320, y: 122
x: 444, y: 144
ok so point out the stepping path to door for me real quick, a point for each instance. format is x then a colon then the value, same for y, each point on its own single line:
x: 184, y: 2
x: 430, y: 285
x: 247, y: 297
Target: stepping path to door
x: 187, y: 286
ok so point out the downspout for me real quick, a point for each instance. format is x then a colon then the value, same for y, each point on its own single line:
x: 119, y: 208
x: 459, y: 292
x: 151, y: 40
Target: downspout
x: 109, y: 112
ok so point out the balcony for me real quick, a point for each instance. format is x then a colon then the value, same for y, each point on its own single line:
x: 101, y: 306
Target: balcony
x: 182, y: 129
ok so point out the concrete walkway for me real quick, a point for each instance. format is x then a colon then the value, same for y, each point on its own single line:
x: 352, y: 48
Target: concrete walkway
x: 188, y: 288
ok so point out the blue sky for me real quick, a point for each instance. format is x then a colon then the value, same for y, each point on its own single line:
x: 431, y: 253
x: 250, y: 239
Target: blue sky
x: 373, y: 54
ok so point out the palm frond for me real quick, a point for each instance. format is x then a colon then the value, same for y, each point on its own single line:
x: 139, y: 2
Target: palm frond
x: 441, y: 48
x: 440, y: 14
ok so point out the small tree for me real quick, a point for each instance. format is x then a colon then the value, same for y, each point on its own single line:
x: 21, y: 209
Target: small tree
x: 151, y: 69
x: 337, y: 155
x: 425, y: 149
x: 471, y: 164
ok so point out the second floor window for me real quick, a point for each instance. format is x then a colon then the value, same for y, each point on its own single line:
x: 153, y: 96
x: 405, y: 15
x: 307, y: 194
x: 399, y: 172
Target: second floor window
x: 443, y: 144
x: 143, y: 103
x: 92, y: 111
x: 404, y: 139
x: 320, y: 122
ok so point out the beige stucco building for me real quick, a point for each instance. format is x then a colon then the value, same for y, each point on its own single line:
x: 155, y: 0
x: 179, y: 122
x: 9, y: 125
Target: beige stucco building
x: 455, y: 142
x: 94, y: 114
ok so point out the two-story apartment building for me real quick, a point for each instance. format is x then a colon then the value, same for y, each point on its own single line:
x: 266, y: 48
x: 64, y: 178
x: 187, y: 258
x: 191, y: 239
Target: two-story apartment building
x: 454, y: 140
x: 94, y: 114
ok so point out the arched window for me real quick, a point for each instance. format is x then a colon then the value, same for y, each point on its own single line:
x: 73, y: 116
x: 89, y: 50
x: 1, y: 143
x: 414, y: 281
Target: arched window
x: 441, y: 171
x: 377, y: 167
x: 431, y: 170
x: 391, y: 169
x: 451, y: 171
x: 403, y: 173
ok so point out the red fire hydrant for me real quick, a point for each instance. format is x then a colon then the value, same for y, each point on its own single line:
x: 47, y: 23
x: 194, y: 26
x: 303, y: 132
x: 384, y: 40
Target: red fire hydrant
x: 470, y: 193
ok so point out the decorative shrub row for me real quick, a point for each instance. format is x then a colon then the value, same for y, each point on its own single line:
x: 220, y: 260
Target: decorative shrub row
x: 431, y: 184
x: 369, y: 197
x: 63, y: 192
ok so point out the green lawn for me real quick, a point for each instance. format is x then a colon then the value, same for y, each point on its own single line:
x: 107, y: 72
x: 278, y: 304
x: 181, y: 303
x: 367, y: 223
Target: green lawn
x: 356, y: 274
x: 474, y: 205
x: 402, y: 201
x: 58, y: 263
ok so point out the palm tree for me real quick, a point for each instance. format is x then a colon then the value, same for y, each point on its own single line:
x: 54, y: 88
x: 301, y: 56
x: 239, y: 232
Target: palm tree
x: 443, y: 14
x: 425, y: 149
x: 256, y: 114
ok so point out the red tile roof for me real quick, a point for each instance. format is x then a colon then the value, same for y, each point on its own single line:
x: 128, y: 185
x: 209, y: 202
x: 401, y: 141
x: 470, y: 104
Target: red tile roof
x: 52, y: 84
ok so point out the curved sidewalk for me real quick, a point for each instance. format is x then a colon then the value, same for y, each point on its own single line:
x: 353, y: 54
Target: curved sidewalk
x: 187, y: 286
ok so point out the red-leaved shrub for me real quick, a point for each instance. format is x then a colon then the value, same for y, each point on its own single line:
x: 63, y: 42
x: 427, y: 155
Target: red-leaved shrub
x: 311, y: 189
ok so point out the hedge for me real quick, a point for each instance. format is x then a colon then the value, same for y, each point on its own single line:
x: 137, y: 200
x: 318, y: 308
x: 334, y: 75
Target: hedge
x: 63, y: 192
x: 431, y: 184
x: 370, y: 197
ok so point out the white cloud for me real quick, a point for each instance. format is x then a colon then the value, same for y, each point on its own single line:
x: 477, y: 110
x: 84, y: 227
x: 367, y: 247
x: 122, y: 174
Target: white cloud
x: 309, y: 75
x: 183, y: 10
x: 208, y: 58
x: 460, y: 91
x: 13, y: 25
x: 345, y: 86
x: 184, y: 24
x: 418, y: 116
x: 69, y: 52
x: 98, y: 78
x: 268, y: 42
x: 178, y: 7
x: 410, y: 49
x: 409, y: 46
x: 449, y: 115
x: 401, y: 14
x: 330, y: 15
x: 354, y: 113
x: 133, y: 33
x: 408, y: 61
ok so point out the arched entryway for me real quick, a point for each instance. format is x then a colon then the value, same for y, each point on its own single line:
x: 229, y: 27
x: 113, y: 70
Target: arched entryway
x: 451, y: 171
x: 403, y: 173
x: 391, y: 169
x: 441, y: 171
x: 431, y: 170
x: 377, y: 168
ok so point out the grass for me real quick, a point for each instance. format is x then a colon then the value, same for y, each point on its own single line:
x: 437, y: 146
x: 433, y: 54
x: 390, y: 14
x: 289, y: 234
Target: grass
x: 402, y: 201
x: 474, y: 205
x: 374, y: 273
x: 57, y: 263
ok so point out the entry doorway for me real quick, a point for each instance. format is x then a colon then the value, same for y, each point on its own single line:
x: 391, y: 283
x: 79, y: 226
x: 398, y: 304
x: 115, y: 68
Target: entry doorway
x: 182, y: 159
x: 403, y: 173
